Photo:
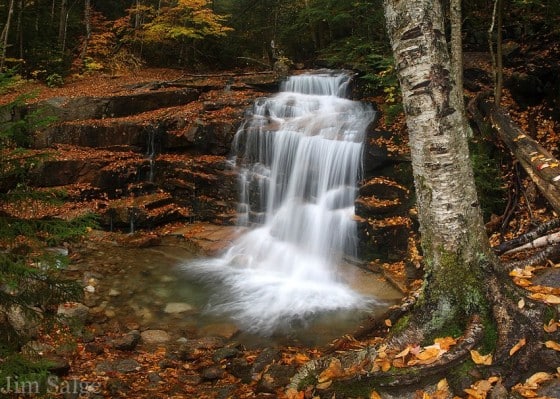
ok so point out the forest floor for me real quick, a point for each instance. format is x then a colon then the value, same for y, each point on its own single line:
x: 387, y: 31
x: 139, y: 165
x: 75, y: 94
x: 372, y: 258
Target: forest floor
x: 167, y: 371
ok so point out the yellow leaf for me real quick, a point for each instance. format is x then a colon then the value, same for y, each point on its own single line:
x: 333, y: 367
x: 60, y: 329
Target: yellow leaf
x: 548, y: 298
x: 385, y: 365
x: 552, y: 345
x: 388, y: 323
x: 551, y: 327
x: 473, y: 393
x: 477, y: 358
x: 334, y: 370
x: 538, y: 378
x: 324, y: 385
x: 399, y: 363
x: 374, y: 395
x: 521, y: 303
x: 428, y: 353
x: 517, y: 346
x: 445, y: 343
x: 294, y: 394
x: 403, y: 353
x: 442, y: 385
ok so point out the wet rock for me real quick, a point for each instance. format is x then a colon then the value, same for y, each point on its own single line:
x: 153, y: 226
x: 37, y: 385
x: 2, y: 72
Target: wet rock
x: 240, y: 368
x: 57, y: 365
x: 154, y: 378
x: 26, y: 324
x: 550, y: 389
x: 208, y: 342
x: 155, y: 337
x: 276, y: 376
x: 104, y: 366
x: 36, y: 348
x: 266, y: 357
x: 225, y: 353
x: 128, y: 341
x: 127, y: 366
x: 74, y: 311
x: 226, y: 330
x: 177, y: 307
x: 94, y: 348
x: 212, y: 373
x: 116, y: 387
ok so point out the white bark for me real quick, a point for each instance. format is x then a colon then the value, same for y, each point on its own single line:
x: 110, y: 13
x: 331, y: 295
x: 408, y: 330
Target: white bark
x: 452, y: 231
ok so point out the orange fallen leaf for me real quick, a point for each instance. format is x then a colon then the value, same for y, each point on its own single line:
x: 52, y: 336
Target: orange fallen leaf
x: 538, y: 378
x: 333, y: 371
x: 552, y: 345
x: 477, y: 358
x: 388, y: 323
x: 551, y: 327
x: 374, y: 395
x: 517, y: 346
x: 445, y: 343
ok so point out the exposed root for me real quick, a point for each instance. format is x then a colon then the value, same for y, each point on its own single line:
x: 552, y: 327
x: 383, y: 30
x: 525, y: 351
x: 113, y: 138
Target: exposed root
x: 358, y: 365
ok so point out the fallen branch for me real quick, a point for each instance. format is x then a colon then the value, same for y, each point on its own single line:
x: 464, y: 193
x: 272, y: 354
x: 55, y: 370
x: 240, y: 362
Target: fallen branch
x: 527, y: 237
x: 539, y: 164
x: 540, y: 242
x: 534, y: 259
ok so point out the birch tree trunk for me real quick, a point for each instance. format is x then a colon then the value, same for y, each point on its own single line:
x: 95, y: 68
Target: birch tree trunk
x: 4, y: 36
x: 453, y: 238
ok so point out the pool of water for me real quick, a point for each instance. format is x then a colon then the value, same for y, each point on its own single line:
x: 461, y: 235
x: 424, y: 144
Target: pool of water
x: 148, y: 288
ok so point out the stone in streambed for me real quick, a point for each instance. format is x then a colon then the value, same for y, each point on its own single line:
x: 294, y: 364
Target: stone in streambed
x: 155, y: 337
x: 177, y: 307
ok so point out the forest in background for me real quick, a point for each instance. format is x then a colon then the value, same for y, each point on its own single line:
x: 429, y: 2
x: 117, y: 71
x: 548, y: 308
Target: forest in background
x: 58, y: 41
x: 52, y: 39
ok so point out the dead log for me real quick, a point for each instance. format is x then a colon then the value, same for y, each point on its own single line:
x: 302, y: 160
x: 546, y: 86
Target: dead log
x: 539, y: 164
x: 527, y: 237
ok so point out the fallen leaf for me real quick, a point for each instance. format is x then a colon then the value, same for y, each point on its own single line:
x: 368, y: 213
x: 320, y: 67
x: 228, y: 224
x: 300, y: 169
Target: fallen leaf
x: 324, y: 385
x: 388, y: 323
x: 521, y: 303
x: 374, y: 395
x: 552, y: 345
x: 445, y: 343
x: 517, y: 346
x: 551, y: 327
x: 477, y: 358
x: 538, y: 378
x: 333, y: 371
x: 403, y: 353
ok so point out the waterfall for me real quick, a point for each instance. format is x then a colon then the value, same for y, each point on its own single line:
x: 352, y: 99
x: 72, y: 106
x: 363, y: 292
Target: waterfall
x: 299, y: 157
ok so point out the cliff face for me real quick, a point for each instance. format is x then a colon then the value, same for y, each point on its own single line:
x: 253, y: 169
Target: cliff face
x: 154, y: 153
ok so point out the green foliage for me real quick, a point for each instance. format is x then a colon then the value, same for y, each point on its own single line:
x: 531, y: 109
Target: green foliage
x: 54, y: 80
x: 16, y: 366
x: 31, y: 283
x: 491, y: 188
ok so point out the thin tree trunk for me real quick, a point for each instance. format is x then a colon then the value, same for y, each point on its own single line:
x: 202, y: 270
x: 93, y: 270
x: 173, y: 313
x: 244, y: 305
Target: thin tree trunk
x: 452, y: 231
x: 5, y: 34
x: 63, y: 19
x: 457, y: 59
x: 497, y: 56
x: 19, y: 29
x: 87, y: 23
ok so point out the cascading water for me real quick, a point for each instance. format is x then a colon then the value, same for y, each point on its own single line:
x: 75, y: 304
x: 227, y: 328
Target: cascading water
x: 299, y: 158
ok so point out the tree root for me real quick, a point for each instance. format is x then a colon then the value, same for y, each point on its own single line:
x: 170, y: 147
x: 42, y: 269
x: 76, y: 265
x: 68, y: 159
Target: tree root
x: 357, y: 365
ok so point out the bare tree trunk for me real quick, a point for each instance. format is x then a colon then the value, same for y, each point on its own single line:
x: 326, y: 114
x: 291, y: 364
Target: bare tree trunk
x: 497, y: 56
x: 457, y: 59
x: 87, y: 23
x: 452, y: 231
x: 5, y: 34
x: 19, y: 28
x: 62, y: 21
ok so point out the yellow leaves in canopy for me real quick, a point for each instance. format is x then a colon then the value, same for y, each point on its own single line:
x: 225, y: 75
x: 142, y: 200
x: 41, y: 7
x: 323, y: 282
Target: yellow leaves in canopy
x: 185, y: 19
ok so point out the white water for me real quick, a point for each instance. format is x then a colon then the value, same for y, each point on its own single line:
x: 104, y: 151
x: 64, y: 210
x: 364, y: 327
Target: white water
x: 299, y: 157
